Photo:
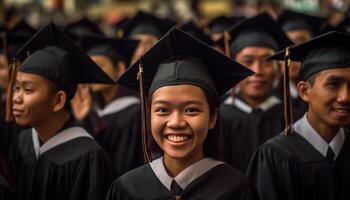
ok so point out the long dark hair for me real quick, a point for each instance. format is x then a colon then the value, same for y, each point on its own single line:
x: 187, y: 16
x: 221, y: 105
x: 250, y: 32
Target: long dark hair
x: 213, y: 145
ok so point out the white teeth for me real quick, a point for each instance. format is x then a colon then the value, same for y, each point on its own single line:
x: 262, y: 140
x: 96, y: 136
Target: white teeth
x: 177, y: 138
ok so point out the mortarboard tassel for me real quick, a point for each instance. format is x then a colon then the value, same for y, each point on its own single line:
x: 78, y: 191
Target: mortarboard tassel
x: 288, y: 114
x: 144, y: 123
x: 9, y: 101
x: 227, y: 44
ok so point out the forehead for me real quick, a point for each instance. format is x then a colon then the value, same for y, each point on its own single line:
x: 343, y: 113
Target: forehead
x: 32, y: 78
x: 341, y: 73
x: 255, y: 51
x: 178, y: 93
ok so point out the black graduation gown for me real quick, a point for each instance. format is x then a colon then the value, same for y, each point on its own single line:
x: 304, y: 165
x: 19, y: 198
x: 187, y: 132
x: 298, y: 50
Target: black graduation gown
x: 289, y: 168
x: 244, y: 132
x: 221, y: 182
x: 6, y: 192
x: 120, y: 136
x: 76, y: 169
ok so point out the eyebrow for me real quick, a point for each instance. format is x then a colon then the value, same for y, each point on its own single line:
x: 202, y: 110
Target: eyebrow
x: 334, y: 78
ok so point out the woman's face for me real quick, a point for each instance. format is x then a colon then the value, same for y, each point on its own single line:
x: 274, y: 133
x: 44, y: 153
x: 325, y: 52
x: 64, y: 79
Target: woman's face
x: 180, y: 120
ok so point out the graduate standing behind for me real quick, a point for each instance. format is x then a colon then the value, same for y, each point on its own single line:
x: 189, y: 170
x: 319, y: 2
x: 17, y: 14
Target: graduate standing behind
x: 313, y: 162
x: 111, y: 112
x: 55, y: 159
x: 253, y: 115
x: 183, y: 78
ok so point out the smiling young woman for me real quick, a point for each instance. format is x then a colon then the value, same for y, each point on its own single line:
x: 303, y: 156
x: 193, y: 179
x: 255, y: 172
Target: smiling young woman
x: 183, y: 79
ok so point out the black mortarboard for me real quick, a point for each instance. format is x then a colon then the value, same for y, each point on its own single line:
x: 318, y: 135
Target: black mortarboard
x: 196, y: 32
x: 54, y: 56
x: 120, y: 26
x: 328, y: 51
x: 260, y: 30
x: 22, y: 28
x: 11, y: 44
x: 290, y: 20
x: 221, y: 24
x: 147, y: 23
x: 83, y: 26
x: 115, y: 49
x: 179, y: 58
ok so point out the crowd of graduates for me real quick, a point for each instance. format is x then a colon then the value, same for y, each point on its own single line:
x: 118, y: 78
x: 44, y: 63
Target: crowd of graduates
x: 237, y: 108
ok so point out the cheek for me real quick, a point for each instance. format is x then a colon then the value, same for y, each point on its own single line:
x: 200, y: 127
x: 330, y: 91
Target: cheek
x: 37, y: 104
x: 157, y: 126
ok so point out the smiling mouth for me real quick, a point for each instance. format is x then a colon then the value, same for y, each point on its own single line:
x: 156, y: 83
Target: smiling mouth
x: 177, y: 138
x: 342, y: 111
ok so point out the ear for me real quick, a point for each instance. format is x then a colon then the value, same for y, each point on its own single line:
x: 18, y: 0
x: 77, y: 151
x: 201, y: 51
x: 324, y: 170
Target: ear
x: 213, y: 118
x: 303, y: 88
x: 121, y: 67
x: 59, y: 101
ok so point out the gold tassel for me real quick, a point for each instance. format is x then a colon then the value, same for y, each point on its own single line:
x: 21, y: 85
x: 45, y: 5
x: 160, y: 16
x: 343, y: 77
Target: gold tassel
x: 144, y: 127
x: 288, y: 114
x: 227, y: 44
x: 9, y: 97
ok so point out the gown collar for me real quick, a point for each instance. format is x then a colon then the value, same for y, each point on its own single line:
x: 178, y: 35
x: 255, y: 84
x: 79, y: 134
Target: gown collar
x: 60, y: 138
x: 117, y: 105
x: 185, y: 177
x: 304, y: 129
x: 264, y: 106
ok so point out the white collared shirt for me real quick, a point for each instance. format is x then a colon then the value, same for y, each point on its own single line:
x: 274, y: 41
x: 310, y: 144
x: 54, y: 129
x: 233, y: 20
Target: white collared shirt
x: 304, y: 128
x: 264, y: 106
x: 60, y: 138
x: 185, y: 177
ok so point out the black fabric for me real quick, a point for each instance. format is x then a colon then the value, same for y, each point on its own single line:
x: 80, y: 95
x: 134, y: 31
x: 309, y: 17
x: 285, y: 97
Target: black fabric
x: 186, y: 61
x: 23, y: 29
x: 221, y: 182
x: 14, y: 43
x: 54, y: 56
x: 244, y: 132
x: 330, y: 155
x: 196, y: 32
x: 175, y: 188
x: 6, y: 192
x: 328, y: 51
x: 222, y: 23
x: 261, y: 30
x: 84, y: 26
x: 288, y: 167
x: 77, y: 169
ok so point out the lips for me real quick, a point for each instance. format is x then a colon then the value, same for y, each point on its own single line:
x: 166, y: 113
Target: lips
x: 257, y: 82
x: 178, y: 138
x: 17, y: 112
x: 341, y: 111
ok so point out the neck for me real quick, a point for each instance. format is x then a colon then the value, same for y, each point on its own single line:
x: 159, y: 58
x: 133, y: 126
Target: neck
x: 325, y: 131
x: 176, y: 166
x: 108, y: 95
x: 51, y: 126
x: 253, y: 101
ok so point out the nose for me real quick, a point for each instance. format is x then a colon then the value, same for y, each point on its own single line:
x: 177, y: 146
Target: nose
x: 344, y: 94
x: 17, y: 98
x: 257, y: 67
x: 176, y: 121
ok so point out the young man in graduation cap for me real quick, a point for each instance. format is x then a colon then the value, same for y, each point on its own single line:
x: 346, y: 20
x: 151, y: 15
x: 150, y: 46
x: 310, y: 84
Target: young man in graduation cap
x: 252, y: 115
x: 182, y: 79
x: 311, y: 160
x: 148, y: 29
x: 55, y: 159
x: 299, y: 28
x: 111, y: 112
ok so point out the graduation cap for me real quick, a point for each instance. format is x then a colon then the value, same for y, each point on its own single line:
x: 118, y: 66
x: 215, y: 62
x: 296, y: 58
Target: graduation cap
x: 120, y: 26
x: 147, y: 23
x: 196, y: 32
x: 221, y: 24
x: 22, y: 28
x: 114, y: 49
x: 51, y: 54
x: 260, y: 30
x: 11, y: 43
x: 178, y: 58
x: 290, y: 21
x: 83, y: 26
x: 328, y: 51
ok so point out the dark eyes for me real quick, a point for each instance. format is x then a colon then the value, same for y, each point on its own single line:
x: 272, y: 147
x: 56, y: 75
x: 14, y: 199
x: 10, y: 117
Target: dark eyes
x: 26, y: 89
x: 190, y: 110
x: 332, y: 84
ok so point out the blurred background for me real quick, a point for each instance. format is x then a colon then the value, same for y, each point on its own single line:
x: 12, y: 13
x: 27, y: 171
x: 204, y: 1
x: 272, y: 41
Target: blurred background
x: 109, y: 12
